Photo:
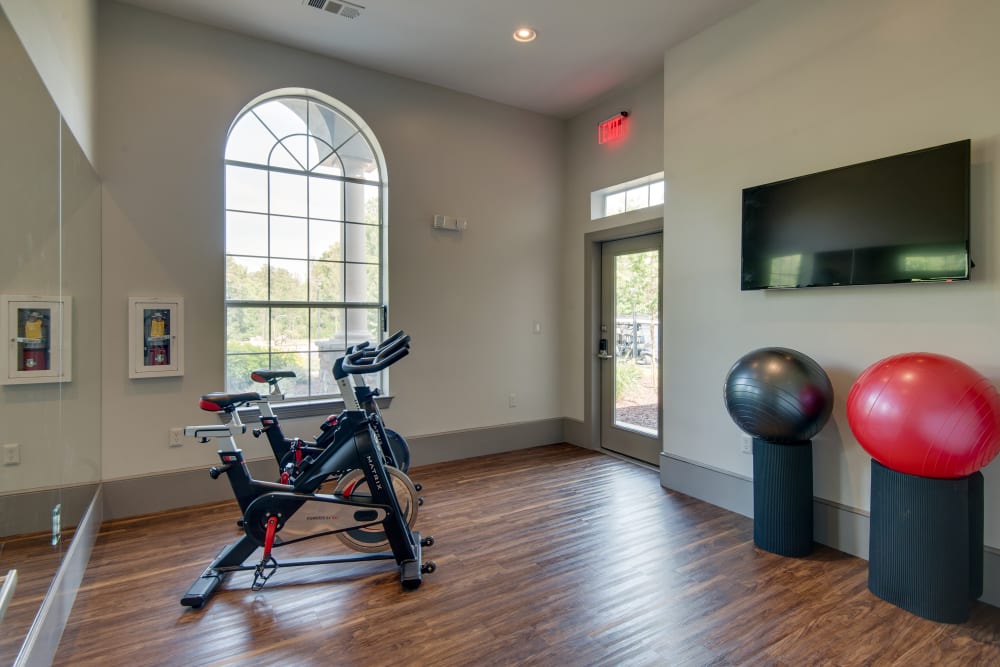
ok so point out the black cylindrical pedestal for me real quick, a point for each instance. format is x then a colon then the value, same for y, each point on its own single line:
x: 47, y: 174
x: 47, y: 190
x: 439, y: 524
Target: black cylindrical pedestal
x: 926, y: 543
x: 783, y: 497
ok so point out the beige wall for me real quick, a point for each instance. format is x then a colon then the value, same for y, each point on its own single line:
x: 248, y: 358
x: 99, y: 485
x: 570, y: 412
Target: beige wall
x: 29, y: 256
x: 61, y: 36
x: 591, y: 166
x: 168, y: 92
x: 51, y: 247
x: 787, y: 88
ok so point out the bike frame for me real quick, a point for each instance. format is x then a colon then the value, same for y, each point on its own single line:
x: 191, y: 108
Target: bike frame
x: 405, y: 544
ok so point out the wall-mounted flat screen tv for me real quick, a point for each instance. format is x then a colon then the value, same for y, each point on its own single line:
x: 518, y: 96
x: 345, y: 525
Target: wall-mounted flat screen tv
x: 899, y: 219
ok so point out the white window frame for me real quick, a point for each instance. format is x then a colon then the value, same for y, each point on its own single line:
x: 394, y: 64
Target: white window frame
x: 346, y: 306
x: 599, y: 199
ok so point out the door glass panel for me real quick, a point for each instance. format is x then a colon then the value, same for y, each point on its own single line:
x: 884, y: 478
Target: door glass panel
x: 637, y: 317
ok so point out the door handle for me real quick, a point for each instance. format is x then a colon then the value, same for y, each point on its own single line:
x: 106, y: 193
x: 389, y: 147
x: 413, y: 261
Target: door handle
x: 605, y: 355
x: 602, y: 350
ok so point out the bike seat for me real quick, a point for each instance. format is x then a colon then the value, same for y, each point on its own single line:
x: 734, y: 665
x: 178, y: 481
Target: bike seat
x: 219, y: 401
x: 266, y: 375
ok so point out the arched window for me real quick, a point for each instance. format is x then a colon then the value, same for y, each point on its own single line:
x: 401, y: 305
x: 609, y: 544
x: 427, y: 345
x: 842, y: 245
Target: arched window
x: 305, y: 239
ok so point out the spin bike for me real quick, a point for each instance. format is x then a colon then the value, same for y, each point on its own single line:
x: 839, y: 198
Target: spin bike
x: 368, y: 510
x: 356, y: 396
x: 292, y: 454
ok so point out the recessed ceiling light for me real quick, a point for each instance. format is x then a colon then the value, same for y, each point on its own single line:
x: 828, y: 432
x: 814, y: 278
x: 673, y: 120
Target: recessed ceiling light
x: 525, y: 34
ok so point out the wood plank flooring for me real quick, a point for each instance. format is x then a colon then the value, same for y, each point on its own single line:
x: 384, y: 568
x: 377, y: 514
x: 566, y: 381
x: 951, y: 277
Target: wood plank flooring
x: 36, y: 562
x: 547, y: 556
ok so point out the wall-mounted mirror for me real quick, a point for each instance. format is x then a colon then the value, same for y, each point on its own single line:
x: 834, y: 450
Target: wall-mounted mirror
x: 50, y: 432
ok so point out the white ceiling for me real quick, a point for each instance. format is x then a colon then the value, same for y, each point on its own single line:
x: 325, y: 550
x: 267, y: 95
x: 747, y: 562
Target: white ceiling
x: 584, y: 47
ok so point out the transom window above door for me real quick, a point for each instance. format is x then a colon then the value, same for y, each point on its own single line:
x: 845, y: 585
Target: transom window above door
x: 632, y: 195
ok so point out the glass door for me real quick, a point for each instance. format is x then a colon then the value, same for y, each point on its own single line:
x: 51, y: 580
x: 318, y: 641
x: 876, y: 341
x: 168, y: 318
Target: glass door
x: 630, y: 347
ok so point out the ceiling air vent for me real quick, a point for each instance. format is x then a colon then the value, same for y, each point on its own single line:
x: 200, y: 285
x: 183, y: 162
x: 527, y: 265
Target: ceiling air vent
x: 348, y: 10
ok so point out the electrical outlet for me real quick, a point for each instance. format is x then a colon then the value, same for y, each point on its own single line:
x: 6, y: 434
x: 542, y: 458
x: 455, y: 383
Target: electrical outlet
x: 746, y: 444
x: 12, y: 454
x: 512, y: 400
x: 175, y: 437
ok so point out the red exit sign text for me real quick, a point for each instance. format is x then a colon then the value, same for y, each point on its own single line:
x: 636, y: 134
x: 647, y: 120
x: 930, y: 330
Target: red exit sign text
x: 612, y: 129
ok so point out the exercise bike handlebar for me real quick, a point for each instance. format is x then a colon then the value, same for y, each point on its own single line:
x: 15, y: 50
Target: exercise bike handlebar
x: 391, y: 340
x: 364, y: 354
x: 366, y: 345
x: 359, y: 362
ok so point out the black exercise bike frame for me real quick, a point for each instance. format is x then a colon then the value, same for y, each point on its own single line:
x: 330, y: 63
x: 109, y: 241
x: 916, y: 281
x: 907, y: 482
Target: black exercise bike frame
x: 284, y: 448
x: 354, y: 447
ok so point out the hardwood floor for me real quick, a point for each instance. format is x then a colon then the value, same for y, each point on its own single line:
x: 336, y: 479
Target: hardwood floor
x: 548, y: 556
x: 36, y: 562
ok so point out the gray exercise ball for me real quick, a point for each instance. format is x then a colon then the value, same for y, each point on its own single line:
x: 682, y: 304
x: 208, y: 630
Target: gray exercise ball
x: 779, y: 395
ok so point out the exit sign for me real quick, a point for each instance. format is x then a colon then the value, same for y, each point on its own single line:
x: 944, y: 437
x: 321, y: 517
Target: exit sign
x: 612, y: 129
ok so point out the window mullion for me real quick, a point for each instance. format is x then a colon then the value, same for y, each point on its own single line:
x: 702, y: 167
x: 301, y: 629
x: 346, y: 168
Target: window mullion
x: 303, y: 304
x: 301, y: 172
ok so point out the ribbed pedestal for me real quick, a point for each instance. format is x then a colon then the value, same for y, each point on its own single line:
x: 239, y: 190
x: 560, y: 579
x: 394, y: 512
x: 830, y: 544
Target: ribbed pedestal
x: 783, y: 497
x: 926, y: 543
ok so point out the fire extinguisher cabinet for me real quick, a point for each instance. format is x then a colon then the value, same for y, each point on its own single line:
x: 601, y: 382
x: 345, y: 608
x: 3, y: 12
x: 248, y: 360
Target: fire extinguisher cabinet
x: 37, y: 331
x: 156, y: 343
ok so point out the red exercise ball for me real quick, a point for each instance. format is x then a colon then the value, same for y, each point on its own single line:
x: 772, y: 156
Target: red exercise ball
x: 926, y: 414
